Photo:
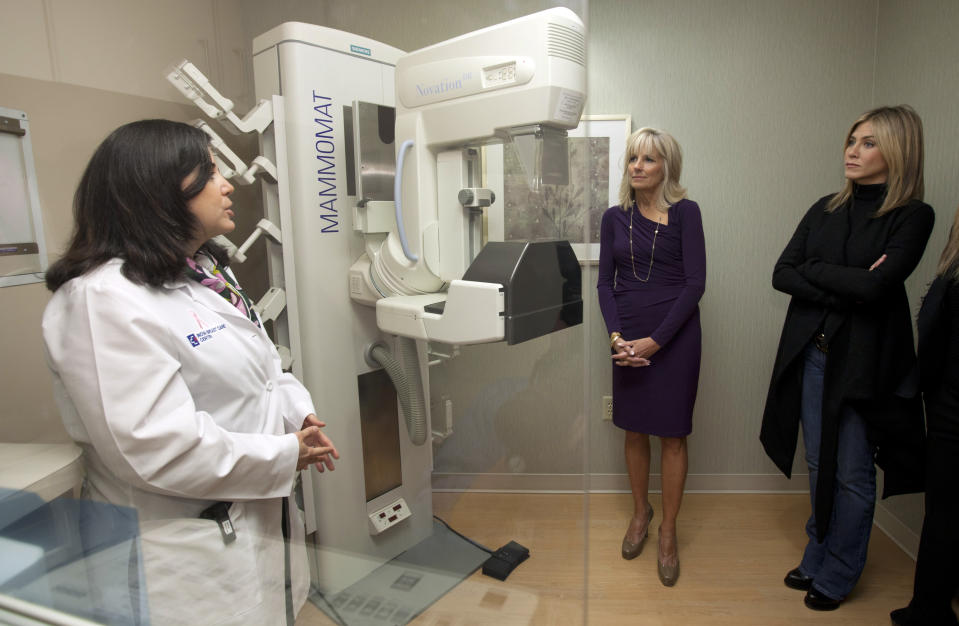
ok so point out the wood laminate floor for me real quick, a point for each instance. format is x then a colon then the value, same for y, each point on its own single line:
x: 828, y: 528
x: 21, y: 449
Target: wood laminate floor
x: 734, y: 551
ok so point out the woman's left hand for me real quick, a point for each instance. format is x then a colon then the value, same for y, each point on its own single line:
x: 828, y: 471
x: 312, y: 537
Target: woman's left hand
x: 320, y: 440
x: 643, y: 348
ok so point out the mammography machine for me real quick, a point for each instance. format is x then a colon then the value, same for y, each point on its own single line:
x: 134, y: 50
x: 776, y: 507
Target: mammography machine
x: 376, y: 269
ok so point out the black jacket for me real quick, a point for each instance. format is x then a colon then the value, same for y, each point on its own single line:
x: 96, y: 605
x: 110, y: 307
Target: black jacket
x: 870, y: 364
x: 938, y: 325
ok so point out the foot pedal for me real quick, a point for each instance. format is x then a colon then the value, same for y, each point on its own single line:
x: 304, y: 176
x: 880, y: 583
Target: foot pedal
x: 502, y: 563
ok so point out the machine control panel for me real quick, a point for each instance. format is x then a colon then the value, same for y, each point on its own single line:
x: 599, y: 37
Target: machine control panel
x: 389, y: 516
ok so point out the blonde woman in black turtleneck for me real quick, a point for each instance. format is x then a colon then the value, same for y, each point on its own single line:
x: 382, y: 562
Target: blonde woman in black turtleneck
x: 843, y: 367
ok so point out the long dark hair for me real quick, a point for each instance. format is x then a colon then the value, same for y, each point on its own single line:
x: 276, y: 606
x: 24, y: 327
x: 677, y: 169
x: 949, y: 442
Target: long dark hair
x: 131, y: 204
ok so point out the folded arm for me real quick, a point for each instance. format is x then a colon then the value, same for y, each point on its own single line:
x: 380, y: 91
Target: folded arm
x: 907, y: 242
x: 787, y: 276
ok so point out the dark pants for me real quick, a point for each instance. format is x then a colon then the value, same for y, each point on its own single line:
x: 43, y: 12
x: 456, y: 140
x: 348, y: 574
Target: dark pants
x: 937, y: 566
x: 837, y: 562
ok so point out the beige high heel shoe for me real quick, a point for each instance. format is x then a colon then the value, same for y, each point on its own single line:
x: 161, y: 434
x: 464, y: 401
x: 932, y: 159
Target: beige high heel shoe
x: 668, y: 574
x: 631, y: 550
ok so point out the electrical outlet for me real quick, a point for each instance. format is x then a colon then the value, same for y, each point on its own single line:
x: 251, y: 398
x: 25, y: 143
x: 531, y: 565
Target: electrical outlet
x: 607, y: 408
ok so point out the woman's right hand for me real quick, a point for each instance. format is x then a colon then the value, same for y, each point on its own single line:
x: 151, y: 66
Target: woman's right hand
x: 315, y: 449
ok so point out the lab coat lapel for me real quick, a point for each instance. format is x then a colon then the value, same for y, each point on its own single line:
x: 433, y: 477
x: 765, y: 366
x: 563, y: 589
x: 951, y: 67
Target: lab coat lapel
x: 206, y: 297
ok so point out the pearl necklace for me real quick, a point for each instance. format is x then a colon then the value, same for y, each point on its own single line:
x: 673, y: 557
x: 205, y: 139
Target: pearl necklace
x: 632, y: 261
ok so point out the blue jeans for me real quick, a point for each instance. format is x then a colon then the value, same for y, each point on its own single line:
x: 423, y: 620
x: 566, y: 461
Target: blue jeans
x: 836, y: 564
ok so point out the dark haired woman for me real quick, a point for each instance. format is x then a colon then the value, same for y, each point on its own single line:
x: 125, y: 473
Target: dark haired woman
x: 846, y: 350
x: 165, y: 377
x: 937, y: 565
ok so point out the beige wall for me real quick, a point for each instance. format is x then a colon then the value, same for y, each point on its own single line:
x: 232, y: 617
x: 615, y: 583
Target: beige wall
x: 121, y: 46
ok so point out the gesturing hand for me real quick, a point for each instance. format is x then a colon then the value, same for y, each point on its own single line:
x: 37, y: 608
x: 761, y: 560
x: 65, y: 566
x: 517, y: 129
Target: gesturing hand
x: 315, y: 447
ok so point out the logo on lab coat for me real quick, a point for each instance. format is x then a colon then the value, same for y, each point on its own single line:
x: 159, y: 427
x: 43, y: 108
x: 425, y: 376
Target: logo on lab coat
x: 206, y: 334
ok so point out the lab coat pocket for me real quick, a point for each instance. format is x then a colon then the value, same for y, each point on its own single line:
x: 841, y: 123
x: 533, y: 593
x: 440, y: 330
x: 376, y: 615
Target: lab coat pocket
x: 193, y: 577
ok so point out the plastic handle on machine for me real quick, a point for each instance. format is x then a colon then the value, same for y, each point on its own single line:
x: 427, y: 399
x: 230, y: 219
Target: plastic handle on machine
x: 397, y: 198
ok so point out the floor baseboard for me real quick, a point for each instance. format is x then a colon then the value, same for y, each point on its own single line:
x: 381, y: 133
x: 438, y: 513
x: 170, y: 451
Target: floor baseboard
x: 616, y: 483
x: 900, y: 533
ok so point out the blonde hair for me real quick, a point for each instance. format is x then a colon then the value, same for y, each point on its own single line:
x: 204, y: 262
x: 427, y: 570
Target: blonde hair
x: 648, y: 141
x: 898, y: 134
x: 949, y: 261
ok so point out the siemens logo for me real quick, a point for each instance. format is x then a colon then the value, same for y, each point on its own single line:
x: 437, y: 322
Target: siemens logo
x: 439, y: 88
x: 359, y: 50
x: 324, y: 147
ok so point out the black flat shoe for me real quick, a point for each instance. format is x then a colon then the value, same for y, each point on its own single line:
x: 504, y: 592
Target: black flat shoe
x: 819, y: 602
x: 901, y: 617
x: 795, y: 580
x: 908, y: 616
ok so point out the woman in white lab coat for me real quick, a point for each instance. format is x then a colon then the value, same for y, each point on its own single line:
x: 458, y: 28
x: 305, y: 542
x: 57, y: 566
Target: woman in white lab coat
x: 165, y: 377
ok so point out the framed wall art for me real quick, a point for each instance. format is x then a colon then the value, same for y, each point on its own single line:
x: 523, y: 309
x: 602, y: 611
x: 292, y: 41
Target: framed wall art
x: 574, y: 211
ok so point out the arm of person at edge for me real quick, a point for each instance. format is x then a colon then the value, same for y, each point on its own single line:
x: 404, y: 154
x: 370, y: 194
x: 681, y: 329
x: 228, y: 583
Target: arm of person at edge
x: 693, y: 243
x: 604, y: 285
x: 316, y: 448
x: 947, y: 390
x: 903, y: 250
x: 787, y: 277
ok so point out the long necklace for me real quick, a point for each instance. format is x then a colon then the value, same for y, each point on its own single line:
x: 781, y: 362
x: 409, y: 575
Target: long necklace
x: 632, y: 260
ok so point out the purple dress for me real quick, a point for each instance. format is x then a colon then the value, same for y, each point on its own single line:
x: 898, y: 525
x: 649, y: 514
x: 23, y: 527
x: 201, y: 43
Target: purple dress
x: 656, y: 400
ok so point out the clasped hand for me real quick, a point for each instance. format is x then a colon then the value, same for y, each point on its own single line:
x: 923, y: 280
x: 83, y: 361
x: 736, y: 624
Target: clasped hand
x: 315, y: 447
x: 634, y: 353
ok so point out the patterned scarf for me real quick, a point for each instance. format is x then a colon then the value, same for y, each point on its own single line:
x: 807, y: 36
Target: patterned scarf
x: 220, y: 282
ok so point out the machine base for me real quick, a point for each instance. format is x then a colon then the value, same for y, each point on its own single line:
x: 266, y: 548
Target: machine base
x: 404, y: 587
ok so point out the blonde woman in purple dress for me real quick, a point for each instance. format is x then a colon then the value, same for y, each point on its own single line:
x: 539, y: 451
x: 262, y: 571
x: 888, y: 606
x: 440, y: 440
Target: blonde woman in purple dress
x: 652, y: 273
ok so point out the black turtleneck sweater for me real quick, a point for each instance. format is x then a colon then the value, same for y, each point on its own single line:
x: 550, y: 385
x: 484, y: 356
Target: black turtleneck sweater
x: 861, y: 208
x: 867, y: 319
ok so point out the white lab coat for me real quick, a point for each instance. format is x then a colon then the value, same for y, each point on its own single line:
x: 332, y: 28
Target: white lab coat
x: 178, y: 401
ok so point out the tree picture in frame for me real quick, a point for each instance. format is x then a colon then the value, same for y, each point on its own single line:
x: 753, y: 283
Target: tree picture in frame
x: 574, y: 211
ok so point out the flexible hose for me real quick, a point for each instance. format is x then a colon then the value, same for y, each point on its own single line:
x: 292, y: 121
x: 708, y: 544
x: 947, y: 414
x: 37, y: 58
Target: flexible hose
x: 405, y: 374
